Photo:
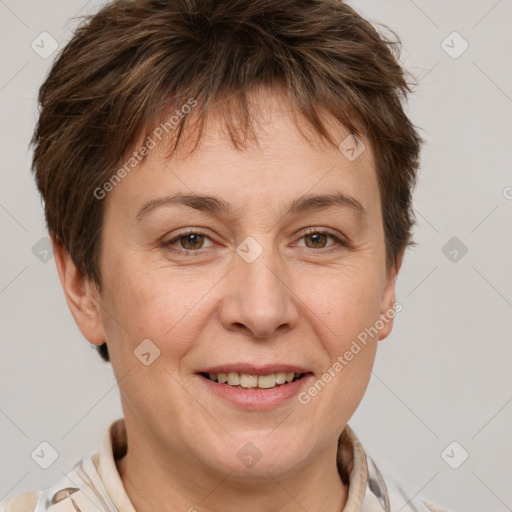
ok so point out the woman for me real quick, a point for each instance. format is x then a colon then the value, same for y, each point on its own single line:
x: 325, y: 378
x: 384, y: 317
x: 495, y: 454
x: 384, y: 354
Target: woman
x: 227, y: 187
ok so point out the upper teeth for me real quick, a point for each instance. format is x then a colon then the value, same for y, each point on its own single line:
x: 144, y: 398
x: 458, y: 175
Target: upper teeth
x: 253, y: 381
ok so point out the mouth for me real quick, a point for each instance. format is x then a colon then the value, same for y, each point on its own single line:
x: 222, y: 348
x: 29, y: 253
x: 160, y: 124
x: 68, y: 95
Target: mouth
x: 255, y: 388
x: 247, y: 381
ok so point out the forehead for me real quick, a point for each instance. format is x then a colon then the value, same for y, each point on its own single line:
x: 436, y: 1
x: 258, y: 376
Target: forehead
x: 278, y: 166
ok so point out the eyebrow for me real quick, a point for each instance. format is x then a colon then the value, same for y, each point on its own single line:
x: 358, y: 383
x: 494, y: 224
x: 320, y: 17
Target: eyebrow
x: 216, y: 205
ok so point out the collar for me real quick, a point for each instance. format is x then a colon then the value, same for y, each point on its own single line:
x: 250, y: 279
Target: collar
x: 94, y: 483
x: 113, y: 446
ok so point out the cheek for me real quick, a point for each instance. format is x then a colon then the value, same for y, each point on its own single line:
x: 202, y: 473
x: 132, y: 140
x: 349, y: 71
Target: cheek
x: 345, y: 303
x: 145, y: 304
x: 342, y: 312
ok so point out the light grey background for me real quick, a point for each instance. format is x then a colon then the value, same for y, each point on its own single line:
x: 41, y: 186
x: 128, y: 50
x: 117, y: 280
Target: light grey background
x: 443, y: 375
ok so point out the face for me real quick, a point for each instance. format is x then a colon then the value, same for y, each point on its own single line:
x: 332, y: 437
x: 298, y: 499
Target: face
x: 246, y: 274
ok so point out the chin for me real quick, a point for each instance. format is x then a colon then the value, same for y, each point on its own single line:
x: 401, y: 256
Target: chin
x: 258, y: 455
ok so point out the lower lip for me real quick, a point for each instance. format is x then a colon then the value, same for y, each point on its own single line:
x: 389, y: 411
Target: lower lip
x: 257, y: 398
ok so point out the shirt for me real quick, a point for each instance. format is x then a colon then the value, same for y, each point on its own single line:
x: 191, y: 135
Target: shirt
x: 94, y: 483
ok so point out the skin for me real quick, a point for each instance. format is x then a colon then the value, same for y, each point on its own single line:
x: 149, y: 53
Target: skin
x: 302, y: 301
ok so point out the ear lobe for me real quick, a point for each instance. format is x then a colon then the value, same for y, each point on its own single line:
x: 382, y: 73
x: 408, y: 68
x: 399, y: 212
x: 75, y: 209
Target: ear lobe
x: 81, y: 295
x: 388, y: 311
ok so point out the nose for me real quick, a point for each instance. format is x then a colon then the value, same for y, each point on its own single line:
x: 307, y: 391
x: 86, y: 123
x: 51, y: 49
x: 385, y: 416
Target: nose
x: 259, y: 301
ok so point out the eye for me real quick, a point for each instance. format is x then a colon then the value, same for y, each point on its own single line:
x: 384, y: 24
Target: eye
x: 187, y: 242
x: 196, y: 241
x: 315, y: 238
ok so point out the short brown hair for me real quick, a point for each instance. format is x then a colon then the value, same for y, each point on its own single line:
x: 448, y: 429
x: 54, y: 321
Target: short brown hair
x: 131, y: 62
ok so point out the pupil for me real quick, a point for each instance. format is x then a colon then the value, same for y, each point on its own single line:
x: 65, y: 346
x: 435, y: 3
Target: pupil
x: 317, y: 238
x: 190, y: 241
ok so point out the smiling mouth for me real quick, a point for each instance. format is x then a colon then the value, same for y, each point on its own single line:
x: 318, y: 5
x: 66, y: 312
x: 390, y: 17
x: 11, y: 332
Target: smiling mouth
x: 248, y: 381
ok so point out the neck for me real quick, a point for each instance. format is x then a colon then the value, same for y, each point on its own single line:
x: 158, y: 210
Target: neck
x: 175, y: 483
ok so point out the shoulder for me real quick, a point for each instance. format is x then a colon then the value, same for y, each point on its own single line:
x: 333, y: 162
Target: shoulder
x: 369, y: 490
x: 59, y: 496
x: 24, y: 502
x: 385, y: 494
x: 87, y: 492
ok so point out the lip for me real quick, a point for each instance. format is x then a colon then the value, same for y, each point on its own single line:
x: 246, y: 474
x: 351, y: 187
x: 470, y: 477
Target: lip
x: 256, y: 399
x: 251, y: 369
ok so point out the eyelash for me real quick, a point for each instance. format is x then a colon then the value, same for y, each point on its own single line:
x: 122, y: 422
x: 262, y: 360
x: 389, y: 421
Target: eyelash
x: 168, y: 244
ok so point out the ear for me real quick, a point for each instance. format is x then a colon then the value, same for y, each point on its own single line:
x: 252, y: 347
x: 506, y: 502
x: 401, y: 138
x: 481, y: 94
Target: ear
x: 388, y: 308
x: 81, y: 294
